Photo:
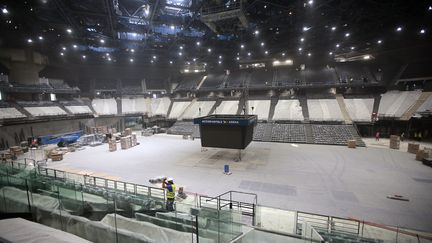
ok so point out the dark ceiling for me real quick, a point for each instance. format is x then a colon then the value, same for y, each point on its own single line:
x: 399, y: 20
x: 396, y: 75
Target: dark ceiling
x: 171, y: 32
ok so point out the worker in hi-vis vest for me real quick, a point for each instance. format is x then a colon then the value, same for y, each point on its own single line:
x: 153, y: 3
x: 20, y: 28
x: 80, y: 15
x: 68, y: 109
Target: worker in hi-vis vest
x: 170, y: 193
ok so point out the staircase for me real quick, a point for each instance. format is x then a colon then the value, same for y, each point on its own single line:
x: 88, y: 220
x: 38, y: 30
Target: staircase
x: 309, y: 134
x: 356, y: 136
x: 21, y: 109
x: 273, y: 101
x: 305, y: 110
x: 201, y: 82
x: 341, y: 101
x: 64, y: 108
x: 217, y: 104
x: 410, y: 112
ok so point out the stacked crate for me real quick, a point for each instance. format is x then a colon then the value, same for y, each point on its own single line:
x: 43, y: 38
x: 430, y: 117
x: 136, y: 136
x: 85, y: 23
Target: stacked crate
x: 5, y: 155
x: 394, y: 142
x: 99, y: 130
x: 112, y: 145
x: 56, y: 156
x: 352, y: 143
x: 128, y: 132
x: 126, y: 142
x: 413, y: 148
x: 16, y: 150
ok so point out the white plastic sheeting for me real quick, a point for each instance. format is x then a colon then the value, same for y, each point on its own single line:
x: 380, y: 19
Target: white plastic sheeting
x: 360, y: 109
x: 135, y: 105
x: 160, y: 106
x: 324, y: 110
x: 229, y: 107
x: 79, y: 109
x: 426, y: 106
x: 199, y: 108
x: 149, y: 230
x: 105, y: 106
x: 21, y: 230
x: 15, y: 200
x: 6, y: 113
x: 261, y: 108
x: 178, y: 108
x: 288, y: 110
x: 396, y: 103
x: 45, y: 111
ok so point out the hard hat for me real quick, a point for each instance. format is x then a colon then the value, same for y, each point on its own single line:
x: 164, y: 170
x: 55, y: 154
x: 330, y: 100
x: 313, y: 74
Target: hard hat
x: 170, y: 179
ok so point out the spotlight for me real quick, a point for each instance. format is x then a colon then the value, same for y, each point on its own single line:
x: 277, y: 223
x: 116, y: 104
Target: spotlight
x: 266, y: 52
x: 69, y: 31
x: 220, y: 57
x: 422, y: 31
x: 347, y: 34
x: 75, y: 46
x: 131, y: 60
x: 337, y: 45
x: 262, y: 43
x: 181, y: 47
x: 399, y: 29
x: 256, y: 32
x: 102, y: 41
x: 310, y: 2
x: 242, y: 46
x: 5, y: 11
x: 171, y: 62
x: 283, y: 54
x: 309, y: 54
x: 306, y: 28
x: 333, y: 28
x: 61, y: 54
x: 352, y: 48
x: 64, y: 48
x: 330, y: 53
x: 249, y: 54
x: 84, y: 57
x: 302, y: 39
x: 29, y: 41
x: 209, y: 50
x: 198, y: 43
x: 238, y: 58
x: 379, y: 41
x: 366, y: 57
x: 220, y: 62
x: 132, y: 50
x: 172, y: 27
x: 180, y: 54
x: 300, y: 49
x: 154, y: 57
x: 40, y: 38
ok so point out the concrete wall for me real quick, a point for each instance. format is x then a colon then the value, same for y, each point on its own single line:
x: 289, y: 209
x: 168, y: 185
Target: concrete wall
x: 13, y: 134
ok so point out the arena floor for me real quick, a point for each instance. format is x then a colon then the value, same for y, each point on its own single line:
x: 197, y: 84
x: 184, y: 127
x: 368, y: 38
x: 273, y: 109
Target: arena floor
x: 330, y: 180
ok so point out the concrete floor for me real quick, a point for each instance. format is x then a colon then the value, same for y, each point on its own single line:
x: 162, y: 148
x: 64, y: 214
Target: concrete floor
x: 330, y: 180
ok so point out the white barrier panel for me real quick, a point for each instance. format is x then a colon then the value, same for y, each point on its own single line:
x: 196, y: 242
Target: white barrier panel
x: 261, y: 108
x: 360, y: 109
x: 178, y: 108
x: 135, y: 105
x: 198, y: 109
x: 324, y: 110
x: 6, y: 113
x: 160, y: 106
x: 396, y: 103
x: 426, y: 106
x: 45, y: 111
x: 105, y: 106
x: 79, y: 109
x: 228, y: 107
x: 288, y: 110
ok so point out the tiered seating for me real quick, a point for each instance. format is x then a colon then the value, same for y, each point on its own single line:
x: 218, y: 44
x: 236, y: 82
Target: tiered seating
x: 10, y: 113
x: 360, y: 109
x: 259, y: 131
x: 417, y: 71
x: 190, y: 81
x: 317, y: 75
x: 45, y: 111
x: 236, y: 78
x: 78, y: 109
x: 135, y: 105
x: 160, y: 106
x: 228, y: 107
x: 332, y: 134
x: 288, y: 110
x: 351, y: 72
x: 287, y: 75
x: 324, y: 110
x: 261, y: 77
x: 261, y: 108
x: 178, y: 108
x: 288, y: 133
x: 105, y: 106
x: 426, y: 106
x: 213, y: 80
x: 198, y: 108
x: 183, y: 128
x: 396, y: 103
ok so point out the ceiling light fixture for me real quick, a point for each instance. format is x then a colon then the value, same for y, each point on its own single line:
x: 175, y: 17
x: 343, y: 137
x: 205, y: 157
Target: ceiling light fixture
x: 29, y: 40
x: 309, y: 54
x: 347, y: 34
x: 198, y: 43
x: 69, y: 31
x: 61, y: 54
x: 84, y: 57
x: 5, y: 11
x: 171, y: 62
x: 209, y: 50
x: 180, y: 53
x: 422, y: 31
x: 266, y: 52
x: 366, y: 57
x: 102, y: 41
x: 262, y: 43
x: 249, y: 54
x: 333, y: 28
x: 399, y: 29
x: 75, y: 46
x: 330, y: 53
x: 131, y: 60
x: 337, y: 45
x: 40, y: 38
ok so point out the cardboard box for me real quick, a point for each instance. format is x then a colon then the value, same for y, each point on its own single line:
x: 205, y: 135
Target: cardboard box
x: 394, y: 142
x: 352, y: 144
x: 420, y: 155
x: 112, y: 145
x: 413, y: 148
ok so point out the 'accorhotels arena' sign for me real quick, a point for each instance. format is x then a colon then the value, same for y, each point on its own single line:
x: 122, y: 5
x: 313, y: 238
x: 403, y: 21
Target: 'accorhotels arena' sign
x: 220, y: 122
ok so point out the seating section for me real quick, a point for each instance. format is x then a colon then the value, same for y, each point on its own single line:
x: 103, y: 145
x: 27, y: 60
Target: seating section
x: 426, y: 106
x: 184, y: 128
x: 320, y: 75
x: 350, y: 72
x: 228, y: 107
x: 324, y: 110
x: 105, y: 106
x: 79, y: 109
x: 289, y: 110
x: 396, y: 103
x: 160, y: 106
x: 284, y: 76
x: 297, y: 133
x: 198, y: 108
x: 45, y: 111
x: 135, y: 105
x: 261, y: 108
x: 334, y: 134
x: 178, y: 108
x: 10, y: 113
x: 261, y: 77
x: 360, y: 109
x: 189, y: 81
x: 213, y: 81
x: 236, y: 79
